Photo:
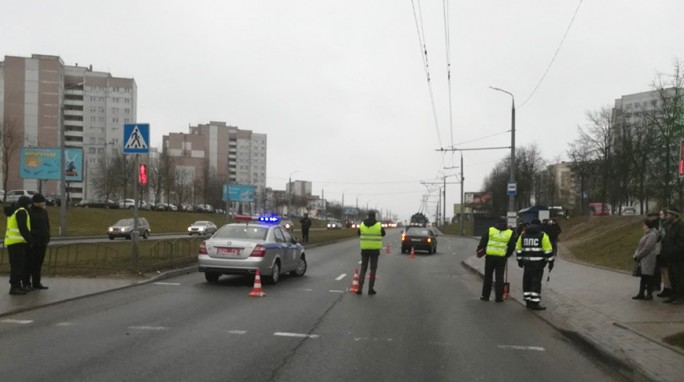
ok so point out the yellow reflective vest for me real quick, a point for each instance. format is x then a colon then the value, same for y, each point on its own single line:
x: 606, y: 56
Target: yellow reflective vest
x: 371, y: 237
x: 497, y: 242
x: 12, y: 234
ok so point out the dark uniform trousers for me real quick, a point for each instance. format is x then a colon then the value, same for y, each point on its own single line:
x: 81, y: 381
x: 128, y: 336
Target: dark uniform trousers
x: 34, y: 263
x: 532, y: 281
x: 494, y: 265
x: 17, y: 257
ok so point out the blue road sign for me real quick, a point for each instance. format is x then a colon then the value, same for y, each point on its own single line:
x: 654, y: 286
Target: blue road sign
x: 136, y: 138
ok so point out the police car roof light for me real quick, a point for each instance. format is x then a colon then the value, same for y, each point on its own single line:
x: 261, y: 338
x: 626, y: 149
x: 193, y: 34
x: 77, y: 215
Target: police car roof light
x: 269, y: 219
x: 243, y: 218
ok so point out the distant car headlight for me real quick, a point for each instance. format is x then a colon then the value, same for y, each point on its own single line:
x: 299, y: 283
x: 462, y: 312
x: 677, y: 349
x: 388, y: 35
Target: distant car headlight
x: 110, y: 229
x: 189, y: 228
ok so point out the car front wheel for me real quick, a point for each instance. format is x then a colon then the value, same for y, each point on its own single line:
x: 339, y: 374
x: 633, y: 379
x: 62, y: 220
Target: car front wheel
x: 301, y: 267
x: 146, y: 234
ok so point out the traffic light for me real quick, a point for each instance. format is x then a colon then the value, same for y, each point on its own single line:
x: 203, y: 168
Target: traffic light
x: 681, y: 159
x: 142, y: 174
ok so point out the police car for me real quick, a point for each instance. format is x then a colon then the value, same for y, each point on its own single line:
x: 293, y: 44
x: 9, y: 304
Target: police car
x: 249, y: 245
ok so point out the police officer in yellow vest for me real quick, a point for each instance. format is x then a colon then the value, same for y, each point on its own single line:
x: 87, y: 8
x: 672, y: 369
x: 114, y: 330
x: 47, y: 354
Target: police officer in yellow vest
x: 370, y: 232
x: 17, y: 241
x: 498, y: 243
x: 533, y: 251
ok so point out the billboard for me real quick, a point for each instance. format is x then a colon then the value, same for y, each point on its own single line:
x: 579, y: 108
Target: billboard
x: 477, y: 201
x: 44, y: 163
x: 238, y: 193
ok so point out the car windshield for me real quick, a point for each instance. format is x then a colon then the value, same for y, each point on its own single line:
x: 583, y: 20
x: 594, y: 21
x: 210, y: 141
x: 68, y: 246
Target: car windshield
x: 123, y: 222
x: 242, y: 232
x: 418, y: 232
x: 200, y: 223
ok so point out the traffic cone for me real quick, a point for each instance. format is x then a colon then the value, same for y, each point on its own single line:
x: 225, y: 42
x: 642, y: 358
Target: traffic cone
x: 256, y: 291
x: 355, y: 282
x: 413, y: 254
x: 388, y: 249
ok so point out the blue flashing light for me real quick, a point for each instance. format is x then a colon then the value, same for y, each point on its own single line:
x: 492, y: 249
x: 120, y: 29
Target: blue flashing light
x: 269, y: 219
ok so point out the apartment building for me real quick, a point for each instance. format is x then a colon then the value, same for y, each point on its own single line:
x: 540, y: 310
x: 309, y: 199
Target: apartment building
x: 222, y: 152
x: 40, y: 94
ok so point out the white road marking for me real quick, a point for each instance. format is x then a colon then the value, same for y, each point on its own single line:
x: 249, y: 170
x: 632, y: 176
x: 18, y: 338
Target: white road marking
x: 372, y: 339
x: 307, y: 290
x: 298, y: 335
x: 12, y: 321
x: 149, y: 327
x: 64, y: 324
x: 340, y: 277
x: 337, y: 291
x: 518, y: 347
x: 163, y: 283
x: 237, y: 332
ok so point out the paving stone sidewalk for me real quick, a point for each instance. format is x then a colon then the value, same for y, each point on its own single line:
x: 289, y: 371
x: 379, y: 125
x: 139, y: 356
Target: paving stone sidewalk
x: 593, y: 306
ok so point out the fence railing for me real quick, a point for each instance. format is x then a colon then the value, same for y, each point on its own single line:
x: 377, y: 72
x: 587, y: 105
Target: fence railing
x: 93, y: 259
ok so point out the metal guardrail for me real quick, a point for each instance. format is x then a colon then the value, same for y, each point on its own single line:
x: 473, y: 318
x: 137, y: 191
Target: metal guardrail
x: 100, y: 259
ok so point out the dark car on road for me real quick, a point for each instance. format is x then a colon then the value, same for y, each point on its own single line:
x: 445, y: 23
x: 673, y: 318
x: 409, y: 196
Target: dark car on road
x: 124, y: 228
x: 420, y: 239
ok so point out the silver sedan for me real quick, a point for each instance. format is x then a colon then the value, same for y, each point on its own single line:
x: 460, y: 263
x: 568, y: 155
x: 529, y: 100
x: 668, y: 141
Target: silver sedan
x: 242, y: 248
x: 202, y: 227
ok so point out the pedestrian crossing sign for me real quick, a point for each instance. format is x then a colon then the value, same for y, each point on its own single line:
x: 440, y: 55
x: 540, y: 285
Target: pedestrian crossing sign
x: 136, y: 138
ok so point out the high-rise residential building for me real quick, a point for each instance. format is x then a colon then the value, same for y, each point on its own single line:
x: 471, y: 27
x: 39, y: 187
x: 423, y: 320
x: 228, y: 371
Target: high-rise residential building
x: 221, y: 152
x: 40, y: 94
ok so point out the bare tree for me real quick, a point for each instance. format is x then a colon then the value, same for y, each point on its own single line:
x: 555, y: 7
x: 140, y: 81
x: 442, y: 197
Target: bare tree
x: 10, y: 142
x: 668, y: 119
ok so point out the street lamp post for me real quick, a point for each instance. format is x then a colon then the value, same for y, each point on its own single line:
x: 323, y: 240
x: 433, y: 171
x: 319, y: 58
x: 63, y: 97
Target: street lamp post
x: 62, y: 176
x: 511, y: 170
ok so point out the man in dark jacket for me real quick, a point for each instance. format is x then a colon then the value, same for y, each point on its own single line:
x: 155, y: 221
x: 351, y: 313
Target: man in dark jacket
x: 17, y: 240
x: 306, y: 224
x: 40, y: 231
x: 672, y: 249
x: 534, y: 251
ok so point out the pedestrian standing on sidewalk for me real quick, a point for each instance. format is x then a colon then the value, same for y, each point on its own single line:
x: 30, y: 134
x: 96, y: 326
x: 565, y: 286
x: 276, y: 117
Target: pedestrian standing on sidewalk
x: 370, y: 232
x: 672, y: 251
x: 18, y: 240
x: 499, y: 244
x: 40, y: 231
x: 534, y: 251
x: 306, y: 225
x: 662, y: 264
x: 645, y: 255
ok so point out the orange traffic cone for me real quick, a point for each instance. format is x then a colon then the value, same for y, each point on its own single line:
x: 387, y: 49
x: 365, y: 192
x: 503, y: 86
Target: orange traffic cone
x: 413, y: 254
x: 388, y: 249
x: 355, y: 282
x: 256, y: 291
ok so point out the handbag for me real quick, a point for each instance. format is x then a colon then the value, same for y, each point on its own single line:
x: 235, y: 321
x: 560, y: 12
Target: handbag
x: 480, y: 252
x: 637, y: 270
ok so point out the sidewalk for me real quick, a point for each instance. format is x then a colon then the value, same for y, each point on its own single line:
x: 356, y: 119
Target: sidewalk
x: 63, y: 289
x: 594, y: 306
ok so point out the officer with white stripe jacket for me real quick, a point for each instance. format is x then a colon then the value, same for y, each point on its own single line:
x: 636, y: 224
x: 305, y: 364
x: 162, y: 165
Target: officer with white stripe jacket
x: 534, y: 251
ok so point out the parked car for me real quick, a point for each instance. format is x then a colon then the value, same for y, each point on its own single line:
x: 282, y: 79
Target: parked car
x: 130, y: 203
x: 420, y: 239
x: 53, y: 200
x: 335, y: 225
x: 88, y: 203
x: 14, y: 195
x: 185, y: 207
x: 202, y: 227
x: 165, y: 207
x: 599, y: 209
x: 204, y: 208
x: 124, y: 228
x: 248, y: 246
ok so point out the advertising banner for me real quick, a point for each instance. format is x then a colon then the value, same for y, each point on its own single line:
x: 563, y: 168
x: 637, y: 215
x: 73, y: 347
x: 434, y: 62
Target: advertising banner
x: 238, y: 193
x: 44, y: 163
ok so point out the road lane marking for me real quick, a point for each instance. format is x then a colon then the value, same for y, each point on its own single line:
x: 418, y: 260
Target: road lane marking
x: 143, y: 327
x: 239, y: 332
x: 64, y: 324
x: 373, y: 339
x: 340, y: 277
x: 298, y: 335
x: 12, y: 321
x: 307, y: 290
x: 337, y: 291
x: 517, y: 347
x: 163, y: 283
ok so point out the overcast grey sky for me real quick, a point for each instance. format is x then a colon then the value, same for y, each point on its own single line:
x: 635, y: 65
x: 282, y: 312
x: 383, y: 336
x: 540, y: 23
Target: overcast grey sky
x: 340, y: 86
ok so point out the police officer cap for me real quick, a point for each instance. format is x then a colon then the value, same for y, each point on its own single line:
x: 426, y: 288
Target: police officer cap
x: 24, y: 201
x: 38, y: 198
